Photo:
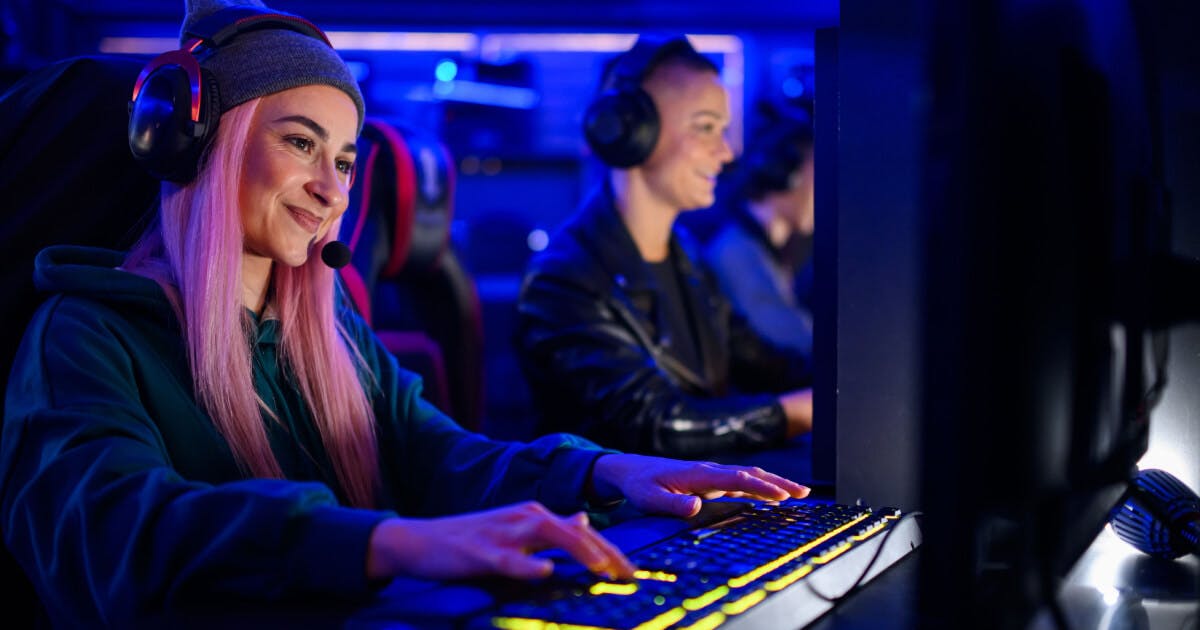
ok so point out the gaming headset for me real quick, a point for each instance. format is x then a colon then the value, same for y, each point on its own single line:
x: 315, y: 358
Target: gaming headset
x: 621, y: 125
x: 175, y: 107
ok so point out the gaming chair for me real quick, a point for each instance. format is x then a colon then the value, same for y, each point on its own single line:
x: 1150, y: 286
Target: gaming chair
x: 404, y: 276
x: 66, y: 177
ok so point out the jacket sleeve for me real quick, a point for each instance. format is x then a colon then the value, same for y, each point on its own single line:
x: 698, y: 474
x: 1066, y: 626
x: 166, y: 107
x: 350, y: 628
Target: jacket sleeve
x: 436, y: 467
x: 106, y: 528
x: 589, y: 371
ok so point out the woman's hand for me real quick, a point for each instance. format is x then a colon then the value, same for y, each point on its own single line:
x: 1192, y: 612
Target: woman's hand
x: 495, y: 542
x: 669, y: 486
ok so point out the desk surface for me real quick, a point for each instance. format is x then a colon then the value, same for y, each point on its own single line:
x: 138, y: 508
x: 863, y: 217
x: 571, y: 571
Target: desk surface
x: 1113, y: 585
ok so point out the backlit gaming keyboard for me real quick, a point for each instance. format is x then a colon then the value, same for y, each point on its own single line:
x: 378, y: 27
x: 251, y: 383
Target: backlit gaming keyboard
x: 756, y: 566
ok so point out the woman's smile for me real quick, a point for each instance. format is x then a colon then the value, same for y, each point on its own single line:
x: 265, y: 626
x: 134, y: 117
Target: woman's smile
x: 307, y: 220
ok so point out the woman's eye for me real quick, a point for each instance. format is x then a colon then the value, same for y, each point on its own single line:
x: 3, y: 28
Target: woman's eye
x: 304, y: 144
x: 345, y: 166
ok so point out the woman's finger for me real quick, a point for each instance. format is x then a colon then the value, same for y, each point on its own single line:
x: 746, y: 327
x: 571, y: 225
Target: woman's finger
x: 583, y: 543
x: 516, y: 563
x: 794, y: 489
x: 709, y: 478
x: 619, y: 564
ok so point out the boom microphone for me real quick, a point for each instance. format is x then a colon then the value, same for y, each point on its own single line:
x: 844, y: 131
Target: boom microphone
x: 1160, y: 516
x: 335, y: 254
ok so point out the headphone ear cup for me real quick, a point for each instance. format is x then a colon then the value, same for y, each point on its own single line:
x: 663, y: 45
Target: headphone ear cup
x: 162, y: 135
x: 622, y: 127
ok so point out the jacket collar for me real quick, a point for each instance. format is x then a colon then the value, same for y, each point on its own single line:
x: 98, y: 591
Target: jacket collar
x: 600, y: 230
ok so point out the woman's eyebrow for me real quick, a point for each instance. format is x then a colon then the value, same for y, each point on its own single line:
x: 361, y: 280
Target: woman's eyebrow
x: 317, y: 129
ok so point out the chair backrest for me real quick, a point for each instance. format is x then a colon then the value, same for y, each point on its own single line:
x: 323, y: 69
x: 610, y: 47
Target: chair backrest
x: 433, y: 290
x: 404, y: 275
x: 66, y: 174
x: 378, y: 222
x: 66, y: 177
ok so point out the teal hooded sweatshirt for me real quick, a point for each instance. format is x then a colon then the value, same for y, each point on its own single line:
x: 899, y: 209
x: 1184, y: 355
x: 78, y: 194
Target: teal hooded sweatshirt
x: 120, y: 498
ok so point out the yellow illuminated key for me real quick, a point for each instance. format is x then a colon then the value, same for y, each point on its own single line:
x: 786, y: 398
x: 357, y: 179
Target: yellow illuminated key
x: 608, y: 588
x: 696, y: 603
x: 518, y: 623
x: 707, y: 623
x: 663, y: 621
x: 749, y: 577
x: 742, y: 605
x: 789, y: 579
x: 658, y: 576
x: 871, y: 531
x: 832, y: 553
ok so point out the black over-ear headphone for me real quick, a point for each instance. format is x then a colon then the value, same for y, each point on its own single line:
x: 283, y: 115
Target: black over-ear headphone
x: 175, y: 106
x: 621, y: 126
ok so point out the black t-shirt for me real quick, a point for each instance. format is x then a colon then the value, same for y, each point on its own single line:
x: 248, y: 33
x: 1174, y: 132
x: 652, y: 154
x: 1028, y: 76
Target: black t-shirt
x: 675, y: 316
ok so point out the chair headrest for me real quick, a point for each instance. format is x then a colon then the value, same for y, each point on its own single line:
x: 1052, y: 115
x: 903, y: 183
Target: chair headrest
x: 405, y: 190
x: 433, y: 177
x: 66, y: 172
x: 377, y: 224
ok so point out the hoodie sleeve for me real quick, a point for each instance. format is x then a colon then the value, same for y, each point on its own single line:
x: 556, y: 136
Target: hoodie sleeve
x: 103, y: 524
x: 439, y: 468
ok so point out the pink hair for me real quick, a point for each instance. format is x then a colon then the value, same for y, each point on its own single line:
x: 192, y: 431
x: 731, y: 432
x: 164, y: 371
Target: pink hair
x: 196, y: 254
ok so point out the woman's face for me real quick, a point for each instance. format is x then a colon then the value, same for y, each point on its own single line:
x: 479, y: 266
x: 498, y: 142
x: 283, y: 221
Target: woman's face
x: 693, y: 108
x: 296, y: 177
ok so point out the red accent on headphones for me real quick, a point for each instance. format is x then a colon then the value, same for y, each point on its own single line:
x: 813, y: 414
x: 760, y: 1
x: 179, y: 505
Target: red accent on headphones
x: 184, y: 58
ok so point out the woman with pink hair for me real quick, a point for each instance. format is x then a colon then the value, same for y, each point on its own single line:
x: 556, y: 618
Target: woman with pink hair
x: 203, y: 418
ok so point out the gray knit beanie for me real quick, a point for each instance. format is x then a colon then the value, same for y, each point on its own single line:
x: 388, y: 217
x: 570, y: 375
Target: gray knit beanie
x: 267, y: 61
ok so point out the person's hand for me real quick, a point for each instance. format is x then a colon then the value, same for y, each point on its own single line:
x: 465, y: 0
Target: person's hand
x: 669, y: 486
x: 495, y: 542
x: 798, y: 408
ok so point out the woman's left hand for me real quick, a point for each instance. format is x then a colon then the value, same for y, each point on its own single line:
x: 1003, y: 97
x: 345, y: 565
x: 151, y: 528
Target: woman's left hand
x: 675, y: 487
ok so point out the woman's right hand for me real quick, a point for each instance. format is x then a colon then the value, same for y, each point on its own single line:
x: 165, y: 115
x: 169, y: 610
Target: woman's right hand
x: 495, y: 542
x: 798, y: 408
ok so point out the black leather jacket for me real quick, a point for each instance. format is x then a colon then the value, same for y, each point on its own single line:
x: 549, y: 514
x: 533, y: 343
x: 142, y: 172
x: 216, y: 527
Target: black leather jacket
x: 595, y: 358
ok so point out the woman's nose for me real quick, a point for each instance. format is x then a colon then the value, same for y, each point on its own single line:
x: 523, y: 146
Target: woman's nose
x: 725, y: 152
x: 326, y: 186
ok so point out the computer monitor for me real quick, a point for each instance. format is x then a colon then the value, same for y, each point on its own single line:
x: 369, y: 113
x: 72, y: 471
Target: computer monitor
x: 999, y: 223
x: 1041, y: 362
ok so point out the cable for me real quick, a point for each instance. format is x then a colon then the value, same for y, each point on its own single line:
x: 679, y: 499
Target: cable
x: 858, y: 583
